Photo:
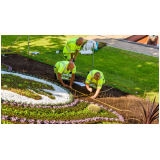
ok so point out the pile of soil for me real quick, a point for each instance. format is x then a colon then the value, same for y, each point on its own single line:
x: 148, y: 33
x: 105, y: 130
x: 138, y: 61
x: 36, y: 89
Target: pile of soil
x: 123, y: 101
x: 101, y: 44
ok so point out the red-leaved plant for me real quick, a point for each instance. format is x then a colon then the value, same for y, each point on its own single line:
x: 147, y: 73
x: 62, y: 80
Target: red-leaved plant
x: 148, y: 114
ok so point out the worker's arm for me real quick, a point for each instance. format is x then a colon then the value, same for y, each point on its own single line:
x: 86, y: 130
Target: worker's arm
x: 88, y: 88
x: 99, y: 86
x: 71, y: 56
x: 88, y: 80
x: 97, y: 93
x: 60, y: 79
x: 72, y: 79
x: 76, y: 55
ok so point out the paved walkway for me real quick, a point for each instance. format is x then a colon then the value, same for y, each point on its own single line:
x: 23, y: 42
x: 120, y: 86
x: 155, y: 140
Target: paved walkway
x: 119, y: 42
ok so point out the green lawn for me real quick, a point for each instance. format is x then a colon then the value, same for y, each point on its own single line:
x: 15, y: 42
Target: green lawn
x: 136, y: 71
x: 40, y: 43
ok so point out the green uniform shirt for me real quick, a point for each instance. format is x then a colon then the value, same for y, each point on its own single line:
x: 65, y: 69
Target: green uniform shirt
x: 61, y: 67
x: 71, y: 47
x: 90, y: 79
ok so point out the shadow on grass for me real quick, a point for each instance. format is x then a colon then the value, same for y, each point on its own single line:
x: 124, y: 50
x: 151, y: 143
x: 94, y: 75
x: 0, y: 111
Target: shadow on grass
x: 43, y: 43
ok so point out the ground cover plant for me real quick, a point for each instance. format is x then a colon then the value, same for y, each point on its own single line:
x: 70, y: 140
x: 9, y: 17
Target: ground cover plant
x: 134, y: 73
x: 4, y: 67
x: 31, y: 89
x: 74, y: 112
x: 25, y: 87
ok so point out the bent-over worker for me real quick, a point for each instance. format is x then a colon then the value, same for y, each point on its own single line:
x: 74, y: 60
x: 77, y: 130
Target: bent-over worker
x: 95, y: 79
x: 63, y: 69
x: 72, y: 46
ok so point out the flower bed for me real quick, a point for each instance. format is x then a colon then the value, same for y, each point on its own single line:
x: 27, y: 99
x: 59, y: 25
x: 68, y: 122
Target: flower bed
x: 67, y: 114
x: 62, y: 96
x: 21, y: 109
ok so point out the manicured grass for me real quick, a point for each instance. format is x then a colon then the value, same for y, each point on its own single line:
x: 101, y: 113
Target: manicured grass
x: 37, y: 43
x: 135, y: 71
x: 123, y: 68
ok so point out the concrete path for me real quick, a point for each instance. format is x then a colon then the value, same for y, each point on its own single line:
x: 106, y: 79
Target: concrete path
x: 119, y: 42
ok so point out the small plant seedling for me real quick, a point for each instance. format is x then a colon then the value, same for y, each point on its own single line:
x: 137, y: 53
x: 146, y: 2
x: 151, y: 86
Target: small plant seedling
x: 20, y: 85
x: 7, y: 80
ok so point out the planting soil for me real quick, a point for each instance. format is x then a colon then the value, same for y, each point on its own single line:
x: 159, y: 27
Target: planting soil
x: 109, y: 97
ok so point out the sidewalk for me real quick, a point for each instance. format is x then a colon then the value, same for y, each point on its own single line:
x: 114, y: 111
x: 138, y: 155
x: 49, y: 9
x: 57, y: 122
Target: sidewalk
x: 119, y: 42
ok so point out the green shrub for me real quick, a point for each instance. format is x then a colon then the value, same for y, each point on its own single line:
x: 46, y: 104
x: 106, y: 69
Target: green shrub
x: 7, y: 80
x: 26, y: 82
x: 94, y: 108
x: 20, y: 85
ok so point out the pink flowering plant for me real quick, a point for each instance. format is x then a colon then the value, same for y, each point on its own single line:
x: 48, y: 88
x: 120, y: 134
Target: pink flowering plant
x: 73, y: 112
x: 67, y: 114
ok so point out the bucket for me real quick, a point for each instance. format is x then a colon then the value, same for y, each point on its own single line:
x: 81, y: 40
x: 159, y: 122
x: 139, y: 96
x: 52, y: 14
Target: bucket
x: 97, y: 47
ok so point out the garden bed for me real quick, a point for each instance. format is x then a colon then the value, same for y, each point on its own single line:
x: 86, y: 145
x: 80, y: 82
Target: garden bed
x: 109, y: 97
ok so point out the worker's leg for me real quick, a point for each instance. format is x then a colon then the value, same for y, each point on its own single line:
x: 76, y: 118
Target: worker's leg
x: 67, y: 57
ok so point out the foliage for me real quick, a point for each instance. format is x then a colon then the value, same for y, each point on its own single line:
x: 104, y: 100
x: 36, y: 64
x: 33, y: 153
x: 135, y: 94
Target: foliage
x: 25, y: 87
x: 67, y: 113
x: 6, y: 122
x: 4, y: 67
x: 148, y: 114
x: 123, y: 67
x: 94, y: 108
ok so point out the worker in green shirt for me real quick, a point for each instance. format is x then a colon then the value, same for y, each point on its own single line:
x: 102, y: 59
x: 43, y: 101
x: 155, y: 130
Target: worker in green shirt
x: 95, y: 79
x: 72, y: 46
x: 62, y: 70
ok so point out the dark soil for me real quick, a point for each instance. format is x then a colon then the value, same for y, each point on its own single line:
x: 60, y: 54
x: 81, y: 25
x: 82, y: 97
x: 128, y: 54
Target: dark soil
x: 118, y: 99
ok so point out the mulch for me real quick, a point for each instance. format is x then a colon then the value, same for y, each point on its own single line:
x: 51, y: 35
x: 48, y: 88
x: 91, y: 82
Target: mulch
x: 121, y: 100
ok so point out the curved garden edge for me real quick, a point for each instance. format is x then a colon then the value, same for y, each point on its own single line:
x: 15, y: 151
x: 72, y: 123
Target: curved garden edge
x: 73, y: 103
x: 25, y: 104
x: 76, y: 101
x: 9, y: 67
